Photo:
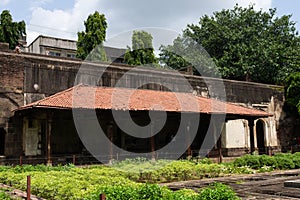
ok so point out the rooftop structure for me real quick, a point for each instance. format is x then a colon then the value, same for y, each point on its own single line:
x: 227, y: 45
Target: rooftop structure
x: 139, y: 100
x: 67, y: 48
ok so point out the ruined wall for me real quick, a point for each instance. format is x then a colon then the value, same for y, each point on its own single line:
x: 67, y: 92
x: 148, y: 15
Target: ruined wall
x: 11, y: 97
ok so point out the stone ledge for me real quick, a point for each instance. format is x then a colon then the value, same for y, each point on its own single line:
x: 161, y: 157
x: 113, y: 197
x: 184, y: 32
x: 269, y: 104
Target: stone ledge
x: 292, y: 183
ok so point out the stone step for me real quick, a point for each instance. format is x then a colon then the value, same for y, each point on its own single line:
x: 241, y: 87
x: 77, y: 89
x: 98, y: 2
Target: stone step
x: 292, y: 183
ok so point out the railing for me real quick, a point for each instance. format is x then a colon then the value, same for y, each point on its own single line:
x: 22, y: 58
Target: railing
x: 83, y: 159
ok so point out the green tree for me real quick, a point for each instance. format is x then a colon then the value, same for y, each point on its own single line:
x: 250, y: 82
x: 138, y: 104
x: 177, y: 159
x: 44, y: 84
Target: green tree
x: 11, y: 32
x: 142, y: 52
x: 246, y: 44
x: 90, y: 41
x: 184, y: 53
x: 293, y: 90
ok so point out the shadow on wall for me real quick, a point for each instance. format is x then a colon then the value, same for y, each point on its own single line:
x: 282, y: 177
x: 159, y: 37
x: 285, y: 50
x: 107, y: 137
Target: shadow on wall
x: 2, y: 141
x: 289, y: 127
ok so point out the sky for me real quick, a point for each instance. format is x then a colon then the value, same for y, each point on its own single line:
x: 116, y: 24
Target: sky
x: 164, y: 19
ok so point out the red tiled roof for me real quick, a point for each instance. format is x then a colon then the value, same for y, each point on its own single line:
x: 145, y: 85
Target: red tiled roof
x: 88, y: 97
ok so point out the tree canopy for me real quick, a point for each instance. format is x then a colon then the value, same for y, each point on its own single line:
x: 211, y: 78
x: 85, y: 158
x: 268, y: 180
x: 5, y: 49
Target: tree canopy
x: 293, y: 90
x: 142, y: 52
x: 11, y: 32
x: 245, y: 44
x: 90, y: 41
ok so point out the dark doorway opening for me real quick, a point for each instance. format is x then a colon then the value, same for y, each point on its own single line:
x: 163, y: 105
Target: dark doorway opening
x: 260, y: 135
x: 2, y: 141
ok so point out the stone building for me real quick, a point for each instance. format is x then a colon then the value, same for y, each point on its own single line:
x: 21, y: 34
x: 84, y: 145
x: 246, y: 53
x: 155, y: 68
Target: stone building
x: 60, y: 47
x: 27, y: 77
x: 49, y: 127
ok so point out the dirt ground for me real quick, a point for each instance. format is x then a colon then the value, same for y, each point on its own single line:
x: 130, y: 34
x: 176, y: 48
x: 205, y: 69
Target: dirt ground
x: 255, y: 186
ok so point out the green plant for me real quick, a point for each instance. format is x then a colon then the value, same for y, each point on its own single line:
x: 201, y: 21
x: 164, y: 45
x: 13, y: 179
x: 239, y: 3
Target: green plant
x: 268, y: 161
x: 217, y: 191
x: 5, y: 196
x: 248, y: 160
x: 285, y: 162
x: 184, y: 194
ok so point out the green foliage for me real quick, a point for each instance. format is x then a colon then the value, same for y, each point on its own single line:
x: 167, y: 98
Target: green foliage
x: 184, y: 194
x: 166, y: 170
x: 296, y: 160
x: 123, y: 179
x: 293, y: 90
x: 10, y: 31
x: 269, y: 161
x: 63, y: 182
x: 4, y: 196
x: 143, y: 191
x: 142, y: 52
x: 209, y: 171
x: 68, y: 182
x: 173, y: 55
x: 285, y: 161
x: 90, y: 41
x: 248, y: 160
x: 266, y: 163
x: 217, y: 191
x: 184, y: 53
x: 245, y: 44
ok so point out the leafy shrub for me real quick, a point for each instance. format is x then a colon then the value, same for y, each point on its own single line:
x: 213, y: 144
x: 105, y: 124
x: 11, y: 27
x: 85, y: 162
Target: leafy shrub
x: 268, y: 161
x: 296, y: 161
x: 231, y: 169
x: 265, y: 163
x: 217, y: 191
x: 184, y: 194
x: 166, y: 171
x: 285, y: 162
x: 142, y: 192
x: 248, y: 160
x: 4, y: 196
x: 177, y: 170
x: 209, y: 171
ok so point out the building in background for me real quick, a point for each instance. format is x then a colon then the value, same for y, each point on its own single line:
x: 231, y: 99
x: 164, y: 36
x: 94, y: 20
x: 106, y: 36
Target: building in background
x: 67, y: 48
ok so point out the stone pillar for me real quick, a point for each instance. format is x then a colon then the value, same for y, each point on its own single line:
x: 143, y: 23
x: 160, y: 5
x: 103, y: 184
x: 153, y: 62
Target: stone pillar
x: 48, y: 137
x: 269, y: 139
x: 110, y: 133
x: 252, y: 136
x: 152, y: 143
x: 219, y: 142
x: 188, y: 140
x: 247, y: 136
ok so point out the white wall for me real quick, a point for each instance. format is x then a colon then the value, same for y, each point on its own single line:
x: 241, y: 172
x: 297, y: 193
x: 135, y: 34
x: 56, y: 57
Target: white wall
x: 32, y: 138
x: 235, y: 135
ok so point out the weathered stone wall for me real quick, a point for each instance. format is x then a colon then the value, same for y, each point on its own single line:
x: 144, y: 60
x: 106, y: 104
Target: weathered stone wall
x: 11, y: 97
x: 55, y: 74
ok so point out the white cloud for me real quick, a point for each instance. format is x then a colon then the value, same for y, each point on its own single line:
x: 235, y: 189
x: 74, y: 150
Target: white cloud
x: 4, y: 2
x: 38, y: 3
x: 130, y: 14
x: 60, y: 23
x: 258, y: 4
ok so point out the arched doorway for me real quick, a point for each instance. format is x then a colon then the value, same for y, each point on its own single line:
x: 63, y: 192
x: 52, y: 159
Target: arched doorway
x: 2, y: 141
x: 260, y: 135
